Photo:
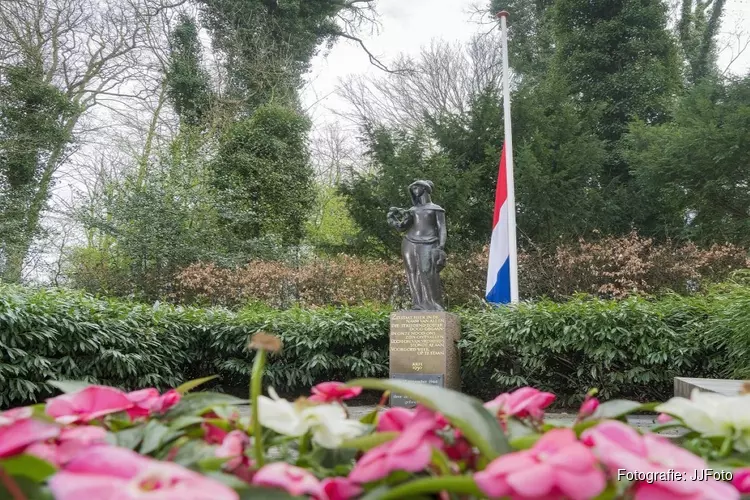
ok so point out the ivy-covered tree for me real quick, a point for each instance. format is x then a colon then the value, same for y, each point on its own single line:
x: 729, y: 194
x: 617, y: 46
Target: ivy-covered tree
x: 188, y: 83
x: 268, y: 44
x: 33, y: 134
x: 698, y: 29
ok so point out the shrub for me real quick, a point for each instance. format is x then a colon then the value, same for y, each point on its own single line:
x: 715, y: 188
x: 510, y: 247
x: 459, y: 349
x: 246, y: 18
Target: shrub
x: 609, y: 268
x: 61, y: 334
x: 627, y: 348
x: 319, y: 344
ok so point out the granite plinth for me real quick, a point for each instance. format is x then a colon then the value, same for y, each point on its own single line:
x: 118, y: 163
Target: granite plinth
x: 423, y: 349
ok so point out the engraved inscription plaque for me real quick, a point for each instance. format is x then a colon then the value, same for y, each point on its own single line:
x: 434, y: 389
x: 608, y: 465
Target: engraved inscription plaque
x: 405, y: 401
x: 423, y: 345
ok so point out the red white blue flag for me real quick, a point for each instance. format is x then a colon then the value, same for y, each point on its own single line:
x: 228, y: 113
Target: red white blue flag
x: 498, y: 272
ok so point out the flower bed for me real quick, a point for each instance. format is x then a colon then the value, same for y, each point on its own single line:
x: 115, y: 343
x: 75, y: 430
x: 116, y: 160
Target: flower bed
x: 98, y: 442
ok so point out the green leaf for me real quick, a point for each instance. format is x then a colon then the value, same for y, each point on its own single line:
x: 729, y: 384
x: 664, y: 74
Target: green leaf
x: 369, y: 441
x: 130, y: 438
x: 619, y: 408
x: 186, y: 421
x: 68, y: 386
x: 257, y: 493
x: 28, y: 466
x: 376, y: 493
x: 587, y: 424
x: 198, y: 402
x: 517, y: 429
x: 525, y: 442
x: 331, y: 458
x: 228, y: 479
x: 30, y: 489
x: 465, y: 412
x: 431, y: 485
x: 609, y: 493
x: 193, y: 452
x: 153, y: 435
x: 370, y: 418
x: 209, y: 464
x: 192, y: 384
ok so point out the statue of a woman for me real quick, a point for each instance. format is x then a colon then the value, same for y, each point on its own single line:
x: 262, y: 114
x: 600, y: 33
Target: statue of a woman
x: 423, y: 246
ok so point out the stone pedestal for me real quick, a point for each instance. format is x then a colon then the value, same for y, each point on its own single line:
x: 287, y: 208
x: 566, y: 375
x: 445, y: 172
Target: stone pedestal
x: 423, y: 349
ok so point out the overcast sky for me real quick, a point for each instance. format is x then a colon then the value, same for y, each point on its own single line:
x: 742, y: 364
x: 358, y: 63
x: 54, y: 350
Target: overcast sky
x: 407, y: 25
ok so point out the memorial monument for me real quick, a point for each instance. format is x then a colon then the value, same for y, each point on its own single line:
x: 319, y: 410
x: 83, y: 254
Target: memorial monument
x: 423, y: 340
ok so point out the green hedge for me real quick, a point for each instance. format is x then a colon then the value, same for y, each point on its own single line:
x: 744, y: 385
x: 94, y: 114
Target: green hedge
x: 631, y: 348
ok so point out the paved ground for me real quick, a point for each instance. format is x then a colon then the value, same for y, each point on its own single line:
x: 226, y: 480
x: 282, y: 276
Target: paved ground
x: 639, y: 421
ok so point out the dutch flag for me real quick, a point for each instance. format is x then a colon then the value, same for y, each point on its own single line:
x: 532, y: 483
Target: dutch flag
x: 498, y: 271
x: 502, y: 272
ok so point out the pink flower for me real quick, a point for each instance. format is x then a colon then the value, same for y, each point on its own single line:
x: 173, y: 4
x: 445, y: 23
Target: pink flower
x: 166, y: 401
x: 338, y: 488
x: 589, y: 406
x: 397, y: 419
x: 87, y: 404
x: 557, y: 466
x: 213, y: 434
x: 70, y: 442
x: 16, y: 435
x: 329, y: 392
x: 117, y: 473
x: 141, y: 400
x: 148, y: 401
x: 294, y: 480
x: 394, y: 420
x: 10, y: 416
x: 622, y: 449
x: 523, y: 402
x: 741, y: 480
x: 663, y: 418
x: 233, y: 447
x: 460, y: 449
x: 411, y: 451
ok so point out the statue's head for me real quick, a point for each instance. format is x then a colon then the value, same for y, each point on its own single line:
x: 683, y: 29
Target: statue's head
x: 420, y: 192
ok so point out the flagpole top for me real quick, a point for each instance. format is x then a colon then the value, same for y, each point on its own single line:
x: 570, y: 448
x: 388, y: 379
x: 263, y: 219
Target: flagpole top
x: 503, y: 13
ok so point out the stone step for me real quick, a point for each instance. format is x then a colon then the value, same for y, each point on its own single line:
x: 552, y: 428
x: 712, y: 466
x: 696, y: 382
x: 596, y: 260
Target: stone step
x: 683, y: 386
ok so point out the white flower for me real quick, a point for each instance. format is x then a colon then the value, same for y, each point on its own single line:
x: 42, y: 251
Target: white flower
x: 327, y: 422
x: 329, y: 425
x: 280, y: 415
x: 713, y: 415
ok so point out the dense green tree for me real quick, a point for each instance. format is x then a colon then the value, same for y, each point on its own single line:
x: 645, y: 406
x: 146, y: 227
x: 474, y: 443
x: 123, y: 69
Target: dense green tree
x: 698, y: 166
x: 33, y: 134
x: 459, y: 153
x: 531, y: 46
x: 620, y: 63
x: 263, y: 175
x: 188, y: 83
x: 558, y: 161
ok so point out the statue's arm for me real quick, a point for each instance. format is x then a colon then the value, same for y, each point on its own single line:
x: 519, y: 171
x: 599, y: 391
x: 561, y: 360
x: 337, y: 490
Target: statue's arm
x: 443, y: 236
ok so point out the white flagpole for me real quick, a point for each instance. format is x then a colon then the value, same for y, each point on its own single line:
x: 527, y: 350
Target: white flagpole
x: 503, y: 15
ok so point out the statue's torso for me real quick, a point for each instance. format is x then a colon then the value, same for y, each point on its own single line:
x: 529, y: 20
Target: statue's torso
x: 424, y: 227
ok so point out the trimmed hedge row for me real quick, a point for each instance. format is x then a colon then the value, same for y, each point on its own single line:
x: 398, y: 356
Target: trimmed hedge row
x: 631, y: 348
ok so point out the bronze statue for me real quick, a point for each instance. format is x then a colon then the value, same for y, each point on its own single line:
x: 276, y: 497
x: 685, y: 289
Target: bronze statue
x: 423, y: 246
